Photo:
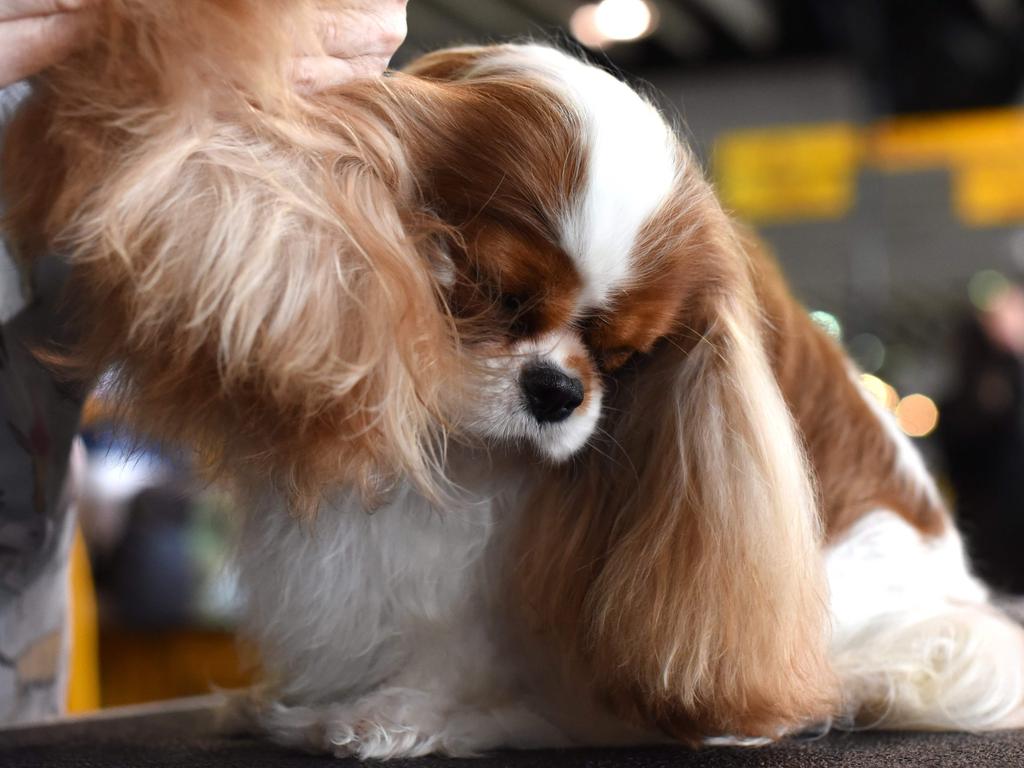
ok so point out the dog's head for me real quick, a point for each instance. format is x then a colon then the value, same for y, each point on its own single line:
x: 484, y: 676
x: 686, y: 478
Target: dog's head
x: 563, y: 187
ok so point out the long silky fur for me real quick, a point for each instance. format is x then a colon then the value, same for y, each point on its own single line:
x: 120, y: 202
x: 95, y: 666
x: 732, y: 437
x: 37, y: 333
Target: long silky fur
x: 268, y: 244
x: 275, y: 249
x: 677, y: 563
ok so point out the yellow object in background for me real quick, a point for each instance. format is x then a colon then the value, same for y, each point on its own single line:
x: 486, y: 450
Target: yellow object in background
x: 809, y: 172
x: 83, y: 694
x: 983, y: 150
x: 139, y: 666
x: 991, y: 192
x: 801, y: 172
x: 954, y: 140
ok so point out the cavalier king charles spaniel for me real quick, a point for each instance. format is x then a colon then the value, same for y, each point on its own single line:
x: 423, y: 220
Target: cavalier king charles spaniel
x: 533, y: 444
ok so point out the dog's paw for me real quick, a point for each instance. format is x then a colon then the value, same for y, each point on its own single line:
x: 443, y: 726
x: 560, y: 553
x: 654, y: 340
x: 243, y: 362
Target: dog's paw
x: 405, y: 722
x: 376, y: 738
x: 389, y: 723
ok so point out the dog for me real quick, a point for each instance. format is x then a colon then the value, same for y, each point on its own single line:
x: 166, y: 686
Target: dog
x: 533, y: 444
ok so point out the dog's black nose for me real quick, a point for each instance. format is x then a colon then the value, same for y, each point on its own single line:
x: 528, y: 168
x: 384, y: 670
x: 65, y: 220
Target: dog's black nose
x: 551, y: 395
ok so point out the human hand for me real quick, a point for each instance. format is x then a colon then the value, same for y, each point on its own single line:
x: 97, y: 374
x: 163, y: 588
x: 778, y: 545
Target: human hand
x: 359, y: 38
x: 37, y: 33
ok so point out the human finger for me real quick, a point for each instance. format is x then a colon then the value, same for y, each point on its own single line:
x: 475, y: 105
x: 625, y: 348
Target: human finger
x: 20, y: 9
x: 31, y: 44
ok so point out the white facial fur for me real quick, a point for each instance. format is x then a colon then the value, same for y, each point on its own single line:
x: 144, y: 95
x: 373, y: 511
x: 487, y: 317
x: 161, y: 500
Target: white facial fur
x: 502, y: 413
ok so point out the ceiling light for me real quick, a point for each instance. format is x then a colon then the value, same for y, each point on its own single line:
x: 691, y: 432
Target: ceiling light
x: 611, y: 21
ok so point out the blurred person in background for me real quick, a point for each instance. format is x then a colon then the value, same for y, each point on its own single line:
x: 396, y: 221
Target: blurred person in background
x: 982, y: 437
x: 39, y: 413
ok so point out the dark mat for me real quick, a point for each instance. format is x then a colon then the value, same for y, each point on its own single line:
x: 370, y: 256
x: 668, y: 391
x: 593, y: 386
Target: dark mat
x: 189, y: 739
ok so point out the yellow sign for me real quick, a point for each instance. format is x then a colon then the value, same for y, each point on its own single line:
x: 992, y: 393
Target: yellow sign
x: 990, y: 194
x: 810, y: 172
x: 950, y: 141
x: 789, y: 173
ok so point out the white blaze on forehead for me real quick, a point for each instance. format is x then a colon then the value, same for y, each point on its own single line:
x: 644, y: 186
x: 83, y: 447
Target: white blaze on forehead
x: 631, y: 164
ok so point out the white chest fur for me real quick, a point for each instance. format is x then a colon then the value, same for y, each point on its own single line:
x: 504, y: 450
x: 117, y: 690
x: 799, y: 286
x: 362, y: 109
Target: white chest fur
x: 393, y: 633
x: 349, y: 600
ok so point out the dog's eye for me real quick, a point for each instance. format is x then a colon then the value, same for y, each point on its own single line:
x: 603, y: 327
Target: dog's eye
x: 514, y: 309
x: 511, y: 304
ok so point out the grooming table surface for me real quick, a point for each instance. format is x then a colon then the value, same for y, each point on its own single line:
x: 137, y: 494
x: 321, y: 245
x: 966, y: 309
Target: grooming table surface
x: 183, y: 736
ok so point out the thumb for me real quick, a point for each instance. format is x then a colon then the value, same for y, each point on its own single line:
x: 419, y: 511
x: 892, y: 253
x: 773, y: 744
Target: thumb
x: 30, y: 44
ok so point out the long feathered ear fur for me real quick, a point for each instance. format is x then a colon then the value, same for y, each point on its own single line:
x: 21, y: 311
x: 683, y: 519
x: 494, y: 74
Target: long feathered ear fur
x: 678, y: 562
x: 240, y: 252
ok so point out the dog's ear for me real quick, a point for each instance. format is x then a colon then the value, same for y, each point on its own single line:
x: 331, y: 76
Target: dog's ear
x: 678, y: 562
x: 245, y: 258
